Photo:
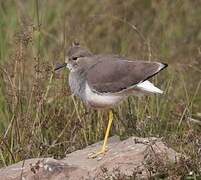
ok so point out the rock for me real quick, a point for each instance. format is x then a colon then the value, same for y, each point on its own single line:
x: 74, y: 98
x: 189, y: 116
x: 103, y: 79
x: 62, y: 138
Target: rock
x: 135, y: 157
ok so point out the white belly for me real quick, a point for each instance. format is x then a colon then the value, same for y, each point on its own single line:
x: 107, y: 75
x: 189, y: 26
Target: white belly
x: 101, y: 100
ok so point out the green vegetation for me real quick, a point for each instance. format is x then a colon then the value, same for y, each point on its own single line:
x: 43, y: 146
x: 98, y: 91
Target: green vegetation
x: 39, y: 118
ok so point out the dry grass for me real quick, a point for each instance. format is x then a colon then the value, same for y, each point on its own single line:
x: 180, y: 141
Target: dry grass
x: 38, y: 117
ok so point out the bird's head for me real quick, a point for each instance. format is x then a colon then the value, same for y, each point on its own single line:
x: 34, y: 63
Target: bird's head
x: 73, y: 56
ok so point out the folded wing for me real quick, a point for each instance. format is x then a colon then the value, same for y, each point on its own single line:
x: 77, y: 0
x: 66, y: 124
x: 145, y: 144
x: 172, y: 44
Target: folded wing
x: 116, y: 75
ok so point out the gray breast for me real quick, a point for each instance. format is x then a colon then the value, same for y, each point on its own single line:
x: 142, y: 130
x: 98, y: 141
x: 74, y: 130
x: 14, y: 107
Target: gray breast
x: 77, y: 83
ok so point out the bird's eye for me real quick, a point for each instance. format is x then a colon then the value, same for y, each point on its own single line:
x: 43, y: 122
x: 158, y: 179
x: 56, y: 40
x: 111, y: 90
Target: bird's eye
x: 74, y: 58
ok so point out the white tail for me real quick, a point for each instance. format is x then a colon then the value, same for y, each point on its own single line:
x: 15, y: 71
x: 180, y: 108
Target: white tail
x: 149, y: 87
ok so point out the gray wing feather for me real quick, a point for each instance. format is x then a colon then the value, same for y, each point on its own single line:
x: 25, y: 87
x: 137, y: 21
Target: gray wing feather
x: 116, y: 75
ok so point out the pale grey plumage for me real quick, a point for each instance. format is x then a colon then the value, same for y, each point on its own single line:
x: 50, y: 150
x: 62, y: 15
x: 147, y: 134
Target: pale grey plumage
x: 104, y: 80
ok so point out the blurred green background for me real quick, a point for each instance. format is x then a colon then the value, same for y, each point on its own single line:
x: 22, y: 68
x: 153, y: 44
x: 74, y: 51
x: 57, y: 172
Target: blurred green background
x: 39, y: 118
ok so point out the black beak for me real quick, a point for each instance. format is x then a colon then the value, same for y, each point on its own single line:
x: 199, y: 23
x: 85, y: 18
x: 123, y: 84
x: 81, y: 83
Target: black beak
x: 60, y: 66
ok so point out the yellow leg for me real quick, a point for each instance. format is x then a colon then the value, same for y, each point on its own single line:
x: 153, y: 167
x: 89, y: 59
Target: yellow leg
x: 103, y: 149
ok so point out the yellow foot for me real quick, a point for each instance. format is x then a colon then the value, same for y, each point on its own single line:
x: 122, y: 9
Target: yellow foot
x: 94, y: 155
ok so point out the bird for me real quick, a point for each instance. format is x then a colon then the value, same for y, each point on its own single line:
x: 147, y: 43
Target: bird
x: 104, y: 80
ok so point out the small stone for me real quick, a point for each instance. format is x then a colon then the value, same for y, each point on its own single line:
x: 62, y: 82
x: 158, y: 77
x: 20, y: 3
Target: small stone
x: 99, y: 158
x: 45, y: 167
x: 50, y: 169
x: 191, y: 173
